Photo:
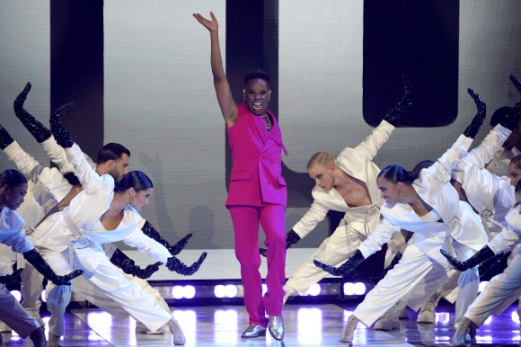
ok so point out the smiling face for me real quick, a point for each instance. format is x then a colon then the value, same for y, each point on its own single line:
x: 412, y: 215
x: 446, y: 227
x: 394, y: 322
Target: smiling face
x: 13, y: 197
x: 389, y: 191
x: 141, y: 198
x: 323, y: 175
x: 257, y: 95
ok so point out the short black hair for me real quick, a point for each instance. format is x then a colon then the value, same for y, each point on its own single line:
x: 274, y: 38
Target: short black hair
x: 254, y: 74
x: 111, y: 151
x: 499, y: 114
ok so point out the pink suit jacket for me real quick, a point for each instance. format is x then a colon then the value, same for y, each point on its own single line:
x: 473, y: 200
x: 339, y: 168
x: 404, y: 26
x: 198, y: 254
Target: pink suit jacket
x: 256, y: 178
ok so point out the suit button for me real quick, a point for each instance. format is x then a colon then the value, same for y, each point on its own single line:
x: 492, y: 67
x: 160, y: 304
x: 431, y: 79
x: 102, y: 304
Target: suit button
x: 249, y: 134
x: 271, y: 161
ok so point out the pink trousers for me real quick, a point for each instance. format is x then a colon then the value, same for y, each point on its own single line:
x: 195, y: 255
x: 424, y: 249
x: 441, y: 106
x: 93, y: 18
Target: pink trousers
x: 246, y: 229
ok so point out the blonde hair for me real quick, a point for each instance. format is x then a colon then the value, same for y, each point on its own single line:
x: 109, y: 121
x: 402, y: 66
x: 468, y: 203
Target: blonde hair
x: 321, y: 158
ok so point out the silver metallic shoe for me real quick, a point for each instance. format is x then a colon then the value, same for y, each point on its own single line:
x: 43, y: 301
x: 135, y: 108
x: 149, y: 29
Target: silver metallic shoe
x: 276, y: 327
x: 460, y: 336
x: 254, y: 330
x: 175, y: 329
x: 349, y: 330
x: 38, y: 337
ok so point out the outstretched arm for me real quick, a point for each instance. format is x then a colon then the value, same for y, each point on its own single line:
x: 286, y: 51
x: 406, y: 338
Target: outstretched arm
x: 222, y: 88
x: 370, y: 146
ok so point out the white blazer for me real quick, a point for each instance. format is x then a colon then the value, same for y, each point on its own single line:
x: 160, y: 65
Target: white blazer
x: 356, y: 162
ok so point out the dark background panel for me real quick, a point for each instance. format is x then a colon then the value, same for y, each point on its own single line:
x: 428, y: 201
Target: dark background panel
x: 420, y: 38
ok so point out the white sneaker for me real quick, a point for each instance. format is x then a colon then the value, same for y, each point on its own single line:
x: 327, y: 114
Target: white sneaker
x: 54, y: 341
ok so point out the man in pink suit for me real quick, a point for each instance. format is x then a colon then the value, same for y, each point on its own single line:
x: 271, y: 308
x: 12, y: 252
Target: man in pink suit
x: 257, y: 190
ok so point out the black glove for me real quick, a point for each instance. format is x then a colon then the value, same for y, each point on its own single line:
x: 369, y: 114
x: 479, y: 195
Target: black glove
x: 345, y: 268
x: 35, y: 259
x: 174, y: 264
x: 37, y: 129
x: 477, y: 121
x: 61, y: 135
x: 477, y: 258
x: 292, y: 238
x: 516, y: 83
x: 151, y: 232
x: 15, y: 277
x: 393, y: 117
x: 5, y: 138
x: 128, y: 265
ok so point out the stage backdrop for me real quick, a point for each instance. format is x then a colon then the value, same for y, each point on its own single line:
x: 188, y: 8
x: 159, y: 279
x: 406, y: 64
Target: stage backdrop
x: 336, y: 69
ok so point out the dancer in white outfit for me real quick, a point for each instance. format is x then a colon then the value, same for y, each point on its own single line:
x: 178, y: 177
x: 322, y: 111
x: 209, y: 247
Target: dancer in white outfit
x: 101, y: 214
x: 347, y: 184
x: 426, y: 205
x: 13, y: 188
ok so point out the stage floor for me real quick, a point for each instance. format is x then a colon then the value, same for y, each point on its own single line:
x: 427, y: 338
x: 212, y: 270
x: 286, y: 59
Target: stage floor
x: 306, y: 325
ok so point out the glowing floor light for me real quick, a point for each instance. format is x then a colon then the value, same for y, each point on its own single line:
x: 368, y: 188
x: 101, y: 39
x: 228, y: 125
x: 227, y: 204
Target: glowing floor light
x: 219, y: 291
x: 188, y: 292
x: 314, y: 290
x: 17, y: 294
x: 230, y: 291
x: 359, y: 288
x: 177, y: 292
x: 349, y: 288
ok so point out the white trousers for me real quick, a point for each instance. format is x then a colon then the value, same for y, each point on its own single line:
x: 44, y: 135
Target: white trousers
x: 14, y: 315
x: 500, y: 292
x: 414, y: 269
x: 31, y: 289
x: 334, y: 250
x: 108, y: 279
x: 92, y: 294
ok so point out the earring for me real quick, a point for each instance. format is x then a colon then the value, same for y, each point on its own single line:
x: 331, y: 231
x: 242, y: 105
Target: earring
x: 126, y: 201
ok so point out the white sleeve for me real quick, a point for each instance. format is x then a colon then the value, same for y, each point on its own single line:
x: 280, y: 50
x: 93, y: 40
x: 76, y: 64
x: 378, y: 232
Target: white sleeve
x: 146, y: 245
x: 19, y: 243
x: 504, y: 241
x: 380, y: 236
x: 57, y: 154
x: 492, y: 143
x: 444, y: 166
x: 309, y: 221
x: 370, y: 146
x: 25, y: 163
x: 89, y: 179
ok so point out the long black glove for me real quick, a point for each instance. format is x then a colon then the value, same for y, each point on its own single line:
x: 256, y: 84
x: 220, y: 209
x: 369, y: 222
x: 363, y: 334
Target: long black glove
x: 292, y: 238
x: 36, y: 260
x: 477, y: 258
x: 37, y: 129
x: 174, y: 264
x: 15, y: 277
x: 5, y: 138
x: 61, y: 135
x: 477, y: 121
x: 128, y: 265
x: 343, y: 269
x: 393, y: 117
x: 151, y: 232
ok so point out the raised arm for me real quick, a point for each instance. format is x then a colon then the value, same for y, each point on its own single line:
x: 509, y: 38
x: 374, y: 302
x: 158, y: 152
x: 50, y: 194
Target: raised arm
x: 370, y: 146
x: 222, y: 87
x: 23, y: 161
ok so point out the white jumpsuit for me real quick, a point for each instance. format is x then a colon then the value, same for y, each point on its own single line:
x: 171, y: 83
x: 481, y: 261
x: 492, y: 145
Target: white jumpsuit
x: 358, y: 222
x: 11, y: 312
x: 422, y: 264
x: 72, y: 239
